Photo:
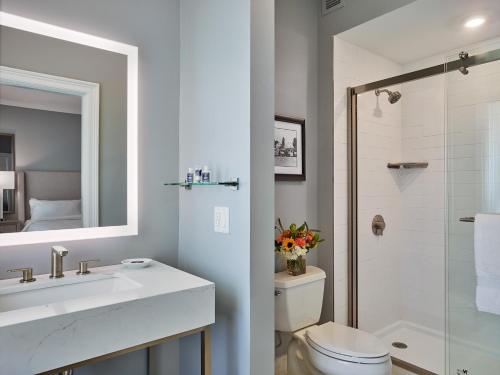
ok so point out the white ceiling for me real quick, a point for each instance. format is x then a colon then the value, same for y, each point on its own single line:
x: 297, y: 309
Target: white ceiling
x: 426, y: 28
x: 38, y: 99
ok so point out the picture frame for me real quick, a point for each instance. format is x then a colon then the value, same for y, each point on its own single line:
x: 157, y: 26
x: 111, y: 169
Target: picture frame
x: 289, y: 148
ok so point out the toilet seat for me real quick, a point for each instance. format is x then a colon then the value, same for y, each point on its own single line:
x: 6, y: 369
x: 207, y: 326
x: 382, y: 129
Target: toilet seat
x: 346, y: 344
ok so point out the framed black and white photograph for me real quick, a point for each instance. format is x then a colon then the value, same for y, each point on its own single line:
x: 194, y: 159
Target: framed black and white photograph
x: 289, y: 149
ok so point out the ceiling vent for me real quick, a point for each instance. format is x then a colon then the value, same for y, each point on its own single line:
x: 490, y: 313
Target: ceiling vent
x: 332, y: 5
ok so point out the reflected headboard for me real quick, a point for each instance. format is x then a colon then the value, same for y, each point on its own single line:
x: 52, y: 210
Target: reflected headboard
x: 47, y: 185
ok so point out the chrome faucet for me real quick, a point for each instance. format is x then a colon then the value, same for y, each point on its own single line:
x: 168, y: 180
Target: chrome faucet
x: 56, y: 267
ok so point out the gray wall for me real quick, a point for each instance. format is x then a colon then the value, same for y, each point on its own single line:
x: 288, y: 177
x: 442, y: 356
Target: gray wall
x: 262, y: 185
x: 44, y: 140
x: 53, y: 56
x: 226, y: 120
x: 297, y: 23
x: 297, y: 96
x: 154, y: 28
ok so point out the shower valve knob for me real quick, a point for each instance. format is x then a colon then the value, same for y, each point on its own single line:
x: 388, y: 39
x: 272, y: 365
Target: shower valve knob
x: 378, y: 225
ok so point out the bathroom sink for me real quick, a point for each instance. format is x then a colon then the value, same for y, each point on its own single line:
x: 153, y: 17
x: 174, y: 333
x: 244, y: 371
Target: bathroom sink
x: 52, y: 323
x: 47, y: 291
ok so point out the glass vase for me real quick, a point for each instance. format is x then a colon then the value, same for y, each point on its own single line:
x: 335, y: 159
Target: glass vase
x: 296, y: 267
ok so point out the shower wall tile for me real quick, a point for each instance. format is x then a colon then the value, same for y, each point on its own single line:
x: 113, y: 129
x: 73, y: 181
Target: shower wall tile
x: 379, y: 142
x: 423, y: 209
x: 414, y: 202
x: 401, y: 274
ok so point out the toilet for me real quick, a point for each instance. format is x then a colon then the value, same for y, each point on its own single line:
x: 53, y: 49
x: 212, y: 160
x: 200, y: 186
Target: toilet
x: 329, y: 348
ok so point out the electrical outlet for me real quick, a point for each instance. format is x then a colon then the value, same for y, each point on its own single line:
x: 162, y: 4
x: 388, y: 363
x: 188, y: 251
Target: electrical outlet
x: 221, y: 219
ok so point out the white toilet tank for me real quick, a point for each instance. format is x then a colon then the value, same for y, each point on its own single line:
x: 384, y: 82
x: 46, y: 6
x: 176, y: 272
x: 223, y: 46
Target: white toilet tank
x: 298, y: 299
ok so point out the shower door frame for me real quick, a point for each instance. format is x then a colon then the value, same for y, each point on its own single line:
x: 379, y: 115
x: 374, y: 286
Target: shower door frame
x: 352, y: 157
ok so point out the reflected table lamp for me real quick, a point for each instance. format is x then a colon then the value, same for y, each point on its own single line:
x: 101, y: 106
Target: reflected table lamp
x: 7, y: 181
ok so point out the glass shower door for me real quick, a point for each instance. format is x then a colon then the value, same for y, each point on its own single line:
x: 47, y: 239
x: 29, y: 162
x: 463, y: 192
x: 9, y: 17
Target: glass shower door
x: 473, y: 187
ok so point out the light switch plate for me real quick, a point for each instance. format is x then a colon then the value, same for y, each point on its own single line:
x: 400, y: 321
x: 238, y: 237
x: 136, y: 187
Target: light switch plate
x: 221, y: 219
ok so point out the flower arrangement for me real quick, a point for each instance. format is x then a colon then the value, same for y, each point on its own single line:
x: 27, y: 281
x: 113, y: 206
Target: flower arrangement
x: 294, y: 243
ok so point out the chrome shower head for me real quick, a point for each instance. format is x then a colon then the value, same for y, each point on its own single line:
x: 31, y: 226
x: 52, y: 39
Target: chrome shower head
x: 394, y: 96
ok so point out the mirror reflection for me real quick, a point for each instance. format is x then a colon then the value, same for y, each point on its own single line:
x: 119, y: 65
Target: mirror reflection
x: 63, y: 134
x: 7, y: 164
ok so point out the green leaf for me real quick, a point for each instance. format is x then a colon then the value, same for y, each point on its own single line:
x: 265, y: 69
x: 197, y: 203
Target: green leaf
x: 280, y: 225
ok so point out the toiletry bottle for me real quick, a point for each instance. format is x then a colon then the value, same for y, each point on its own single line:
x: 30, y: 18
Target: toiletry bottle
x: 197, y: 175
x: 189, y: 176
x: 205, y: 174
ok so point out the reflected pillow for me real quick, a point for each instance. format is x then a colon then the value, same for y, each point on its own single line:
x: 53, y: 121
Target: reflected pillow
x: 46, y: 210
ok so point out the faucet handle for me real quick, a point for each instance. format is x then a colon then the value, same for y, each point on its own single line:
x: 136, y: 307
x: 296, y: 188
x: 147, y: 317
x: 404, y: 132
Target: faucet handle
x: 84, y: 266
x: 27, y: 274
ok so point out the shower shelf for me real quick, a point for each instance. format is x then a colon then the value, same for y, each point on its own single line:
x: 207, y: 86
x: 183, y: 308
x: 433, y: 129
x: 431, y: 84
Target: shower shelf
x: 407, y: 165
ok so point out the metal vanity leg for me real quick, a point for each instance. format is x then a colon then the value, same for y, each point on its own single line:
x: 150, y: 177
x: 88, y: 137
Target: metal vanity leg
x: 206, y: 351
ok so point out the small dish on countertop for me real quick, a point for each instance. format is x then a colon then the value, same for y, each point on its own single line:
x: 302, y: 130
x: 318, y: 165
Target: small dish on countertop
x: 137, y: 262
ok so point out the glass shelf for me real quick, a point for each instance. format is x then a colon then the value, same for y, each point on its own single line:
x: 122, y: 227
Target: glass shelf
x: 234, y: 184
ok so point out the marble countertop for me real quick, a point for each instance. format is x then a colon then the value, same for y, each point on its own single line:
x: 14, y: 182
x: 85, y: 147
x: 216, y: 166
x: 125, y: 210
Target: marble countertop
x: 155, y: 280
x: 165, y: 302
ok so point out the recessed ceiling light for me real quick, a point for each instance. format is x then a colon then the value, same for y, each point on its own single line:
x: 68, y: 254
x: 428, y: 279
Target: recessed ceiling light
x: 474, y: 22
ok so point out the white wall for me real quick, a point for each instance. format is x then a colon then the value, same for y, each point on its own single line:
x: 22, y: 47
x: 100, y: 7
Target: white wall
x: 297, y: 96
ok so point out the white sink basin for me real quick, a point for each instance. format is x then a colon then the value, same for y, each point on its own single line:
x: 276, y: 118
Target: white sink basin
x: 46, y: 291
x: 52, y: 323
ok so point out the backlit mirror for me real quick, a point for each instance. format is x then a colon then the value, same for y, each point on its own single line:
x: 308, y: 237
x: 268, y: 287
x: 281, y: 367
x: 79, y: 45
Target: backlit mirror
x: 68, y: 133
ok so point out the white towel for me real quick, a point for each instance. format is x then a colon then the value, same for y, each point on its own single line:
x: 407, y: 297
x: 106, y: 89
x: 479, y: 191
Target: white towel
x: 487, y: 258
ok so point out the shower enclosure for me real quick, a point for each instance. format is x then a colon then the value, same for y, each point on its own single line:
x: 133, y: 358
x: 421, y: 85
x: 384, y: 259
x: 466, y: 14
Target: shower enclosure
x: 423, y: 153
x: 473, y: 175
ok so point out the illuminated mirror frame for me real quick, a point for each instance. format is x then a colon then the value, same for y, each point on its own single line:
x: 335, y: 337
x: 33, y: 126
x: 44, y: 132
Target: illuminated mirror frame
x: 131, y: 228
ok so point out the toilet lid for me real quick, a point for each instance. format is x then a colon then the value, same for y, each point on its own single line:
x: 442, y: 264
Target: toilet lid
x: 336, y: 339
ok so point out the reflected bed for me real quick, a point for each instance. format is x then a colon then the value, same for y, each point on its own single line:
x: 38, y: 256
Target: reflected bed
x: 48, y: 186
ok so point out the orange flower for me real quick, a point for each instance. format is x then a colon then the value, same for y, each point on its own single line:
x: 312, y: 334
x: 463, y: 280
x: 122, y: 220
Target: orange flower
x: 288, y: 244
x: 300, y: 242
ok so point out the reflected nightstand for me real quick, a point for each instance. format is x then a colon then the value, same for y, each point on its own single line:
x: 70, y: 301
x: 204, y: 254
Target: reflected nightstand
x: 9, y: 226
